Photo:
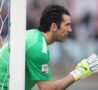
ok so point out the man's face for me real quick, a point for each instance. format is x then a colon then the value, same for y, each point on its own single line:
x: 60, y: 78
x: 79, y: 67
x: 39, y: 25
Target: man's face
x: 64, y: 29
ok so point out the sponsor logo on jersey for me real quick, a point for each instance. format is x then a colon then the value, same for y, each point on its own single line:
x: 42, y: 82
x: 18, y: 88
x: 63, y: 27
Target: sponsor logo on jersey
x: 45, y: 68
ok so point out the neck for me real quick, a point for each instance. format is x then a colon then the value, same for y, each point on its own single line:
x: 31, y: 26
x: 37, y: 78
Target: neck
x: 48, y: 37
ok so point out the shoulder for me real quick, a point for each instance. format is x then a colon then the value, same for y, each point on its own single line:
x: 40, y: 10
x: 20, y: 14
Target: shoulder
x: 38, y: 50
x: 38, y: 46
x: 35, y: 40
x: 32, y: 32
x: 33, y: 36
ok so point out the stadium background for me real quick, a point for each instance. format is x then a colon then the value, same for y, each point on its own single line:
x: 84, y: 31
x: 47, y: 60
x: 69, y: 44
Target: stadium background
x: 82, y: 42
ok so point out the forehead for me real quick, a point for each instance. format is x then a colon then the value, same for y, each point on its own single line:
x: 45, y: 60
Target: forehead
x: 66, y: 18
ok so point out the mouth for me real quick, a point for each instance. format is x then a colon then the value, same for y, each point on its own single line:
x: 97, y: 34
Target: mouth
x: 66, y: 35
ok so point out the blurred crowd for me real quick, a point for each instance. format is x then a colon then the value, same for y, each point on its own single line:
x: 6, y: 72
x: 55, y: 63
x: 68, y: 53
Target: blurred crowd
x: 83, y: 40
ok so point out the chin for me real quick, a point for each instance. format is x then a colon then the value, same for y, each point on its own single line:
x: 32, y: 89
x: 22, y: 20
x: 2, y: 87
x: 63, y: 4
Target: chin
x: 61, y: 40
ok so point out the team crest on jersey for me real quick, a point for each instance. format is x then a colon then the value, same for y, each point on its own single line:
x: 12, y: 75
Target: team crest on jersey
x: 45, y: 68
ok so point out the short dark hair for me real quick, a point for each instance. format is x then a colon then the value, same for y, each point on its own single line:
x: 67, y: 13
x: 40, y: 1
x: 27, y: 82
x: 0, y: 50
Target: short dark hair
x: 52, y: 14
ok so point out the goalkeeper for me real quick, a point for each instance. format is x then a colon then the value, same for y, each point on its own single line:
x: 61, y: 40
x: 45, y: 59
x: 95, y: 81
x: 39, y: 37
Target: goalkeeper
x: 55, y: 25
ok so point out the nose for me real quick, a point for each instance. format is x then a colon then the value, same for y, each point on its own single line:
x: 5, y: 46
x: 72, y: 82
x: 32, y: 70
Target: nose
x: 70, y: 29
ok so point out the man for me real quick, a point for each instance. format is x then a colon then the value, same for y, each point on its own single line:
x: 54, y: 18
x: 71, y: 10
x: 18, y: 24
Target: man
x: 54, y: 26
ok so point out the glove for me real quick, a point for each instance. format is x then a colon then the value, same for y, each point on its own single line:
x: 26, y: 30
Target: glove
x: 86, y: 68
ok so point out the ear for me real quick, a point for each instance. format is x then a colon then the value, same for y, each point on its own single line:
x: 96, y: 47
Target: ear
x: 53, y: 27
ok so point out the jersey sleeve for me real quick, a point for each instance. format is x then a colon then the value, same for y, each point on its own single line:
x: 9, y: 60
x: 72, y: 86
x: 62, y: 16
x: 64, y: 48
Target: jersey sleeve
x: 38, y: 63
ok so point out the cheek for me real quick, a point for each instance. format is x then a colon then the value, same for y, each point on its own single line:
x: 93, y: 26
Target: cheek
x: 64, y: 31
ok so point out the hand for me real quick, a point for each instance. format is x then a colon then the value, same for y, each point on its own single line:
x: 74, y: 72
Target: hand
x: 86, y: 67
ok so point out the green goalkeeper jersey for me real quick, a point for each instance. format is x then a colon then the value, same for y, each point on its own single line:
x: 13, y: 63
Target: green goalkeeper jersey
x: 37, y: 60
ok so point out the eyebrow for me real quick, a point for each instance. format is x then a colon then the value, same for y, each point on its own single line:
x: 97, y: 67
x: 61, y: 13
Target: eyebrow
x: 68, y: 24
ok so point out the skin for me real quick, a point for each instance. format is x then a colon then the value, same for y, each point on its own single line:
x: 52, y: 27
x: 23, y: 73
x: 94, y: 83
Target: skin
x: 61, y: 84
x: 57, y: 34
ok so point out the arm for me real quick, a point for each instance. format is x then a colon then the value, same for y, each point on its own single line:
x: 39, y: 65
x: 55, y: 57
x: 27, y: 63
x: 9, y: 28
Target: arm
x: 61, y: 84
x: 83, y: 70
